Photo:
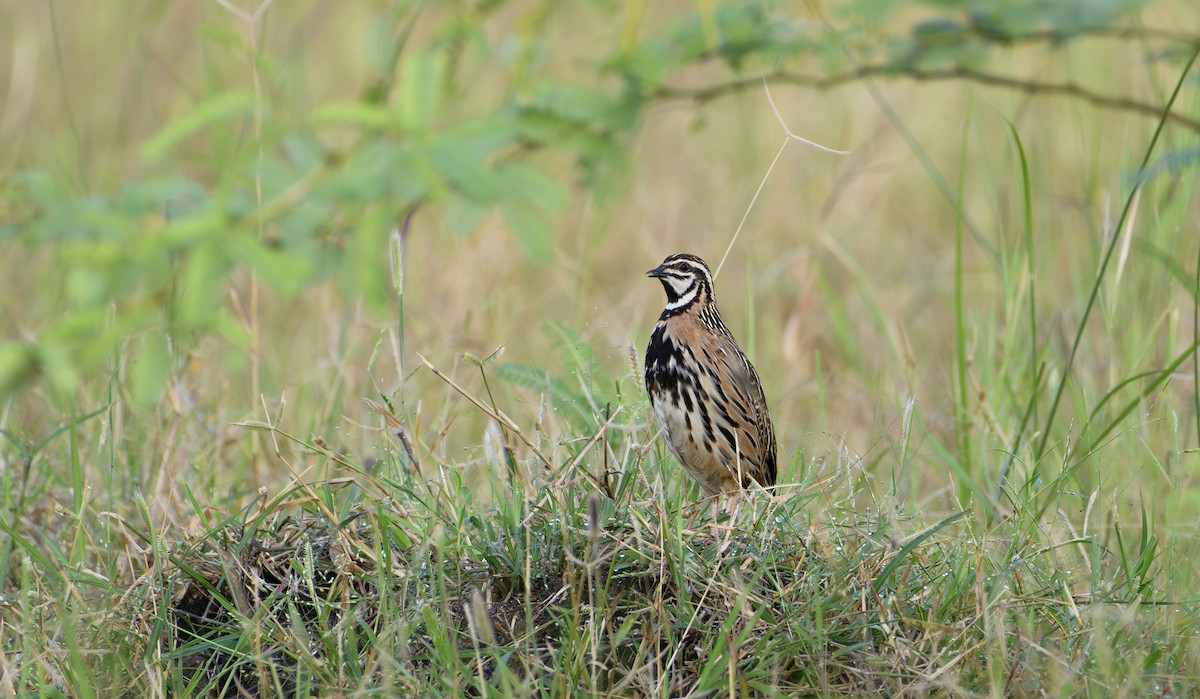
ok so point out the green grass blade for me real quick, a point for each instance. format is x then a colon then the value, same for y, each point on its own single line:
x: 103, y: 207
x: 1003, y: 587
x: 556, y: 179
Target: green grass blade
x: 1107, y: 257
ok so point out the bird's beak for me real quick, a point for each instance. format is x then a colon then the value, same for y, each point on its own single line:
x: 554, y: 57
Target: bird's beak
x: 656, y: 272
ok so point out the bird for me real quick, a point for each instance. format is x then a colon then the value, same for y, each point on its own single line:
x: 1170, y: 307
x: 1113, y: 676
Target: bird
x: 704, y: 392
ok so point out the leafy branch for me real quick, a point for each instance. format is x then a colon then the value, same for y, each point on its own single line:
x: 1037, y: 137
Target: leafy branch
x: 1070, y: 89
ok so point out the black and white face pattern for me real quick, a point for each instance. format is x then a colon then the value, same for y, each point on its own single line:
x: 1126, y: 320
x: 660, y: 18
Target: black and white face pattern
x: 686, y: 280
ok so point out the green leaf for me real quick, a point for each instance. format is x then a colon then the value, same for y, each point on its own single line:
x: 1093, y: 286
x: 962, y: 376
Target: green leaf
x: 365, y: 267
x: 531, y: 230
x: 171, y: 196
x: 569, y: 403
x: 576, y: 351
x: 361, y: 114
x: 304, y: 150
x: 149, y: 368
x: 56, y: 361
x: 460, y: 215
x: 223, y: 107
x: 579, y: 356
x: 200, y: 279
x: 885, y: 575
x: 1173, y: 162
x: 386, y: 171
x: 420, y: 89
x: 466, y: 171
x: 282, y: 271
x: 534, y: 186
x: 589, y: 108
x: 483, y: 136
x: 649, y: 64
x: 17, y: 366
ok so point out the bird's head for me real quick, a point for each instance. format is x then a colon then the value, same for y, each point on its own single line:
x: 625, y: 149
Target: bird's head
x: 686, y: 279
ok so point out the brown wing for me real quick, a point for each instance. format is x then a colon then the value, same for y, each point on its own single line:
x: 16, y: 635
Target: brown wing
x: 743, y: 418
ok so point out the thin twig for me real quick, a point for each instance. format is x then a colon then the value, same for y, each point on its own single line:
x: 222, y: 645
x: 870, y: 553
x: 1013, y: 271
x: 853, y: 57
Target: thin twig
x: 398, y: 431
x: 790, y: 136
x: 496, y: 414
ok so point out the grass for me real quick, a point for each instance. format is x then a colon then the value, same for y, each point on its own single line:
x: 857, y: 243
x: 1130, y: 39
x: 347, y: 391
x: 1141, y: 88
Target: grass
x: 981, y: 359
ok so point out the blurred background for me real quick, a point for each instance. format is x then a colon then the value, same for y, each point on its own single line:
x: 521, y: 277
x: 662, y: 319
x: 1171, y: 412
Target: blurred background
x: 211, y: 209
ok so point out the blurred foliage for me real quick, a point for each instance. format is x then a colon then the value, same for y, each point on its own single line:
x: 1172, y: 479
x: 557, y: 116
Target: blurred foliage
x: 300, y: 198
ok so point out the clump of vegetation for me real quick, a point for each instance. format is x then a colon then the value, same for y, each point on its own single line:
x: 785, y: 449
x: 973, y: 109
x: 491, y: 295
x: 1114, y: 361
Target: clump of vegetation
x: 420, y: 588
